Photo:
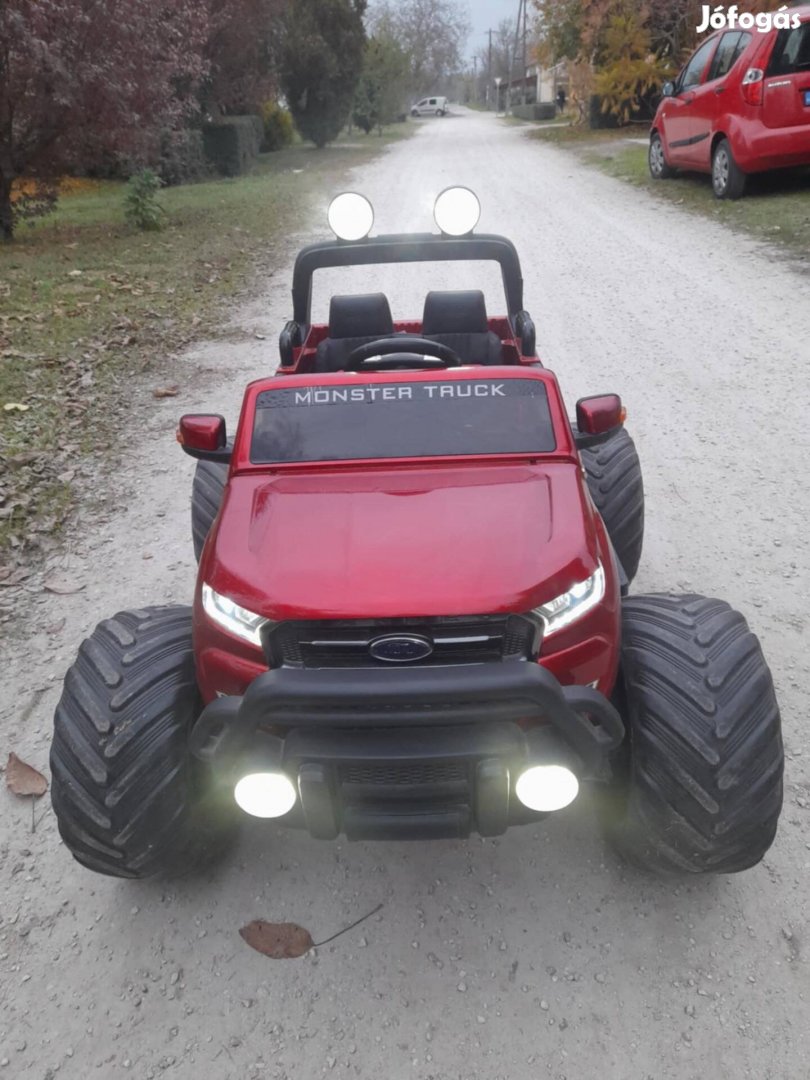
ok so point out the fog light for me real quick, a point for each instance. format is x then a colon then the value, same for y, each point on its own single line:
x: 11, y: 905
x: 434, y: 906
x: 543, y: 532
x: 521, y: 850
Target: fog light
x: 265, y: 795
x: 547, y: 787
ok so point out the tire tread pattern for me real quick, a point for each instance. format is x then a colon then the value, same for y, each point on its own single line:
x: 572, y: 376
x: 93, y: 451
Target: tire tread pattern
x: 705, y: 788
x: 210, y: 478
x: 613, y: 472
x: 125, y: 792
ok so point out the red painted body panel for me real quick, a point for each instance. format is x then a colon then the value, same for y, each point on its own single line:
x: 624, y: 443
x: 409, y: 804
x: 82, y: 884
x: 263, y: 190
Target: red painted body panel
x: 408, y: 537
x: 773, y: 135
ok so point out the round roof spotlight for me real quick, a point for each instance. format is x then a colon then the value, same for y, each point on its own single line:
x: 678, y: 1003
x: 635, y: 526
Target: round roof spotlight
x: 457, y: 211
x: 350, y: 216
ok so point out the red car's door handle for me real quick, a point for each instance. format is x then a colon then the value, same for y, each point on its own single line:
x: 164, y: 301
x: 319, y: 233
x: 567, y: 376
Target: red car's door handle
x: 719, y: 89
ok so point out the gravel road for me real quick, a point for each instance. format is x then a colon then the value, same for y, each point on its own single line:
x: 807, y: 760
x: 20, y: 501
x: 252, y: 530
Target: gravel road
x: 537, y: 954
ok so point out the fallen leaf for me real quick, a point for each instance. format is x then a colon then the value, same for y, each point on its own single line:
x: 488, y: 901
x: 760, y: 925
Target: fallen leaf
x: 75, y: 273
x: 22, y: 779
x: 166, y: 391
x: 54, y: 628
x: 279, y: 941
x: 61, y: 586
x: 15, y: 406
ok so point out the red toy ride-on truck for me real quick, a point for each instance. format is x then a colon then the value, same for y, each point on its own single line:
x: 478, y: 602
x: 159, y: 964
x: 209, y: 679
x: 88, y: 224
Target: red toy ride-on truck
x: 411, y: 617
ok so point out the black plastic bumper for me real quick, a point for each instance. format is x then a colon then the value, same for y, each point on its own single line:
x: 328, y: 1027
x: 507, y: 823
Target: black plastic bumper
x: 408, y: 753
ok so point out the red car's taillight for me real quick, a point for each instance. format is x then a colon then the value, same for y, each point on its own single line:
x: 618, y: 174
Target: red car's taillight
x: 753, y: 85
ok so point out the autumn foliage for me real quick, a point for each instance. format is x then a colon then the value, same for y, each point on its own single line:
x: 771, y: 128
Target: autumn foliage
x: 84, y: 83
x: 80, y: 80
x: 622, y: 50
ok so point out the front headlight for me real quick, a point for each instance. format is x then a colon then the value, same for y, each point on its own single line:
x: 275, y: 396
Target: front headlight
x: 572, y: 605
x: 231, y: 617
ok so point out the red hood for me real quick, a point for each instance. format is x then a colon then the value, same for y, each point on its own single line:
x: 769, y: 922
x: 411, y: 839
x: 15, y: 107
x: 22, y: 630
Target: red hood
x: 440, y: 540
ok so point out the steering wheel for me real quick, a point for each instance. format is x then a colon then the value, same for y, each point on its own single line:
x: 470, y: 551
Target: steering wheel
x: 402, y: 351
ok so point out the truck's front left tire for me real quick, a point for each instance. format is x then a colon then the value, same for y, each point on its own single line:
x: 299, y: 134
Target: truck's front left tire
x: 129, y: 799
x: 210, y: 478
x: 700, y: 788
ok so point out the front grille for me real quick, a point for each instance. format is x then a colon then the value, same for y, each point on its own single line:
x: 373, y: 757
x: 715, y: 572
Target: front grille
x: 333, y: 643
x: 390, y: 774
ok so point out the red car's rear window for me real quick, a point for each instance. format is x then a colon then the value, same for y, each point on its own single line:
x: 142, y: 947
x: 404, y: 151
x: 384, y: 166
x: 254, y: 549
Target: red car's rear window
x: 791, y: 54
x: 402, y: 419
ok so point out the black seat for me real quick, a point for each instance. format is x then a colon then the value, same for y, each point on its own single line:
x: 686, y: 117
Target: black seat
x: 459, y: 320
x: 353, y: 321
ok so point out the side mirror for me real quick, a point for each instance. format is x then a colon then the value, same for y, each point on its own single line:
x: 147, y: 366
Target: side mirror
x: 204, y: 436
x: 668, y: 89
x: 598, y: 417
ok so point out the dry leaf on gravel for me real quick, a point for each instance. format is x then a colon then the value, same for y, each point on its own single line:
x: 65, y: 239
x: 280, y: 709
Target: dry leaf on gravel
x: 286, y: 941
x: 279, y: 941
x: 61, y: 586
x: 22, y: 779
x: 15, y: 406
x: 166, y: 391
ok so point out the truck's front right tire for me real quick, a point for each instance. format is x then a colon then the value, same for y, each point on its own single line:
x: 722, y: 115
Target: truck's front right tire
x: 613, y: 472
x: 129, y: 799
x: 700, y: 787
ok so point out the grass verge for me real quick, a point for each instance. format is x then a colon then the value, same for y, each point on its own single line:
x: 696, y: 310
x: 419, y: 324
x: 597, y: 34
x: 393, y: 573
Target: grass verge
x: 776, y: 207
x: 84, y: 300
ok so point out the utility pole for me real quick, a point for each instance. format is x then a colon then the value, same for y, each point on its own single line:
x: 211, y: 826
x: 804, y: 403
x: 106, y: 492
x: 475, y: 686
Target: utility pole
x: 513, y: 58
x: 489, y: 65
x: 525, y: 57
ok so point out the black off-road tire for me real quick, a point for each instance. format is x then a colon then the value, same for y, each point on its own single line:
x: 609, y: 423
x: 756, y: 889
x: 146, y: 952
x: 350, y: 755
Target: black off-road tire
x: 129, y: 799
x: 728, y: 179
x: 613, y: 472
x: 657, y: 161
x: 701, y: 789
x: 210, y: 478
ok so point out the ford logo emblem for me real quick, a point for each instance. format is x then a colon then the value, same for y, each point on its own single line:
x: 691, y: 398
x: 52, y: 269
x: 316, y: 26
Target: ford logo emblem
x: 404, y: 649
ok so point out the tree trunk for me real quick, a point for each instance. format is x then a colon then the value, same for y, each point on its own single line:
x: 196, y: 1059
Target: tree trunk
x: 6, y: 217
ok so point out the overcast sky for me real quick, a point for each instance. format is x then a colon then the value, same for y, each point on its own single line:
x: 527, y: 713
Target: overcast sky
x: 485, y: 14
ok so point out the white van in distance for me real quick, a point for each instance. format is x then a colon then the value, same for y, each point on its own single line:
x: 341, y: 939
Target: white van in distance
x: 430, y: 106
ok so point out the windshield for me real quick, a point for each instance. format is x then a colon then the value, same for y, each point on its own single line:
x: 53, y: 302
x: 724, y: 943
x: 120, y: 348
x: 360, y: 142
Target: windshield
x: 368, y: 420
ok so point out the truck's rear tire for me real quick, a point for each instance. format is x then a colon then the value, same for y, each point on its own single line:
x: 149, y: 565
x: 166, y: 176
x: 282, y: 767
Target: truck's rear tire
x: 700, y: 788
x: 210, y: 478
x: 129, y: 799
x: 614, y: 480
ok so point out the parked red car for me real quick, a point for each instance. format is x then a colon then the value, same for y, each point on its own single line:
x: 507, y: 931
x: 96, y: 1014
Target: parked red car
x: 740, y: 105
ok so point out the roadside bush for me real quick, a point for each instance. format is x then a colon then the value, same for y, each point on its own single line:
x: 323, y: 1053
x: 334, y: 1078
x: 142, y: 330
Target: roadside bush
x: 141, y: 207
x: 181, y: 158
x: 31, y: 199
x: 278, y: 127
x: 232, y: 143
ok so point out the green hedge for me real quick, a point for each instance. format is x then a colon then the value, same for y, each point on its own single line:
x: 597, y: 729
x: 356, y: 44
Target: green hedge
x: 232, y: 143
